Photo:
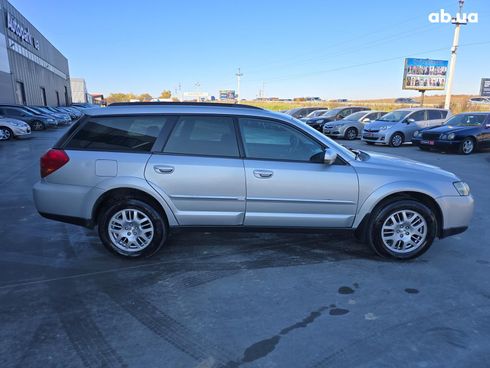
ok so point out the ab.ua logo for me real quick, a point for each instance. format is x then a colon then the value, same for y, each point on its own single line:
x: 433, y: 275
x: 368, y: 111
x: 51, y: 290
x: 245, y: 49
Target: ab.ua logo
x: 443, y: 17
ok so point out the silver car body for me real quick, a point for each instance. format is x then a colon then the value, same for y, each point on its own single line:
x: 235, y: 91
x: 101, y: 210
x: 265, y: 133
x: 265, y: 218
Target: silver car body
x: 381, y: 131
x: 17, y: 127
x: 215, y: 191
x: 338, y: 128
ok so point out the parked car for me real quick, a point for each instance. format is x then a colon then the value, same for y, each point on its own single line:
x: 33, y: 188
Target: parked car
x: 301, y: 112
x: 314, y: 114
x: 332, y: 115
x: 71, y: 113
x: 140, y: 171
x: 352, y: 125
x: 405, y: 100
x: 59, y: 120
x: 397, y: 127
x: 13, y: 128
x: 479, y: 100
x: 62, y: 118
x: 464, y: 133
x: 36, y: 122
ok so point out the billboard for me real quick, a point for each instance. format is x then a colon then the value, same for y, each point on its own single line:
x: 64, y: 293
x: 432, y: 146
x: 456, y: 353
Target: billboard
x: 425, y: 74
x: 485, y: 87
x: 227, y: 94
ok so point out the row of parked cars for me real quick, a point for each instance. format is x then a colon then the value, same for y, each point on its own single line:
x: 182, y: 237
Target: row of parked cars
x: 19, y: 120
x: 428, y: 128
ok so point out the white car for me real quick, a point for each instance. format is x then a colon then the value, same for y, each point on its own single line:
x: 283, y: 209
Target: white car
x: 13, y: 128
x: 480, y: 100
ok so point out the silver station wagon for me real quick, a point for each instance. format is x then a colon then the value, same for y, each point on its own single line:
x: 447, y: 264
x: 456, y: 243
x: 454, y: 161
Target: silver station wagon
x: 137, y: 171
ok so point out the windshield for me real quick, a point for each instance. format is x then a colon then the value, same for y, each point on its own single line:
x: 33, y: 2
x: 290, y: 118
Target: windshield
x: 332, y: 112
x: 355, y: 116
x: 31, y: 110
x: 316, y: 113
x: 466, y: 120
x: 394, y: 116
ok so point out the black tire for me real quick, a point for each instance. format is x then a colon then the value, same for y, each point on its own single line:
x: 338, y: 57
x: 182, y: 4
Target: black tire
x: 38, y: 125
x: 351, y: 134
x: 467, y: 146
x: 396, y: 140
x: 7, y: 133
x: 160, y: 229
x: 383, y: 212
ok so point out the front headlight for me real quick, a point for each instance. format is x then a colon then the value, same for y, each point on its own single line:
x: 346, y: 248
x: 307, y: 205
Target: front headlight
x: 416, y: 134
x: 451, y: 136
x: 462, y: 188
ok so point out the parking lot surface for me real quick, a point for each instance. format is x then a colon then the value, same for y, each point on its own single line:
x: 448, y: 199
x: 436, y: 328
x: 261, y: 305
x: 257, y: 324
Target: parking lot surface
x: 228, y: 299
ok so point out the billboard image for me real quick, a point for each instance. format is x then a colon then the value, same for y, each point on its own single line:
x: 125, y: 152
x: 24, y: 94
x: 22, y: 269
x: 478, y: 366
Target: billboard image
x: 485, y: 87
x: 425, y: 74
x: 227, y: 94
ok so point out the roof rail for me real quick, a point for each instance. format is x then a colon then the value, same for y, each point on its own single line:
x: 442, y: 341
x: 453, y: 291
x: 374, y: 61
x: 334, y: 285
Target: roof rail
x: 214, y: 104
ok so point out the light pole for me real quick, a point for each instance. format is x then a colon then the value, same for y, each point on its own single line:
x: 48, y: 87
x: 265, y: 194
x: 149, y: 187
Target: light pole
x: 238, y: 76
x: 458, y: 21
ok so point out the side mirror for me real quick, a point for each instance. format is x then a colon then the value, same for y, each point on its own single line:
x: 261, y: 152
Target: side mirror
x: 329, y: 157
x: 410, y: 121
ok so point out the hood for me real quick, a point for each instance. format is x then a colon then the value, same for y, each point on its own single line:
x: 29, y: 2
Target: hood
x: 406, y: 165
x: 11, y: 120
x: 378, y: 124
x: 449, y: 129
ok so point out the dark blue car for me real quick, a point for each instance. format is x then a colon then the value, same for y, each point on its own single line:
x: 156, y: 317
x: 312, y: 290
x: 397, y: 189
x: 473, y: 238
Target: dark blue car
x: 464, y: 133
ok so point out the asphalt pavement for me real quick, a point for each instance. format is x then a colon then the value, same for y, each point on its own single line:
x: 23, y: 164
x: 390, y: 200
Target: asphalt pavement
x: 237, y: 299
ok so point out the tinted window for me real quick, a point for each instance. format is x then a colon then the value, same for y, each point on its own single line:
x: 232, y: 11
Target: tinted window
x: 418, y: 115
x: 12, y: 112
x: 135, y: 133
x: 265, y: 139
x: 435, y: 114
x: 203, y: 135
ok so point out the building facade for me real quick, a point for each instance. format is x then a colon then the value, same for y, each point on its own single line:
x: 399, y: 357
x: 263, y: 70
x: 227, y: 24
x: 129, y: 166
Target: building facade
x: 79, y: 92
x: 32, y: 70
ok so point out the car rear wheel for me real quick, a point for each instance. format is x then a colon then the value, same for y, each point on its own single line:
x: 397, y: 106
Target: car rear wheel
x: 402, y: 229
x: 350, y: 134
x: 396, y: 140
x: 467, y: 146
x: 38, y: 125
x: 132, y: 228
x: 6, y: 134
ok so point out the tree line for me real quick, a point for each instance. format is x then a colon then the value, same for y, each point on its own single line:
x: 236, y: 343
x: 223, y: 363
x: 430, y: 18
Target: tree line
x: 144, y: 97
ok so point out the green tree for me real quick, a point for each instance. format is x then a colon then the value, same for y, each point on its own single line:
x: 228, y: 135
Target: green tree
x: 145, y: 97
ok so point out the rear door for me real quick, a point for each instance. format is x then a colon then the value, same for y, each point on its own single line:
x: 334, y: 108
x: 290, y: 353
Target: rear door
x: 287, y: 182
x: 200, y: 172
x: 435, y: 117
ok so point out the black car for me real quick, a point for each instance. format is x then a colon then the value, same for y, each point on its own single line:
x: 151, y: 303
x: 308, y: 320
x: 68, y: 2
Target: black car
x: 332, y: 115
x: 301, y: 112
x: 464, y: 133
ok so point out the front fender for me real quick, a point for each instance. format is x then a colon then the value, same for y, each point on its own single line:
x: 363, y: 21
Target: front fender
x: 393, y: 188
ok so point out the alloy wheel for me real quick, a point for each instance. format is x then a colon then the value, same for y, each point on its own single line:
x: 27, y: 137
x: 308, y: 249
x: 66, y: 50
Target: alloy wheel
x: 404, y: 231
x: 130, y: 230
x: 397, y: 140
x: 351, y: 134
x: 468, y: 146
x: 6, y: 134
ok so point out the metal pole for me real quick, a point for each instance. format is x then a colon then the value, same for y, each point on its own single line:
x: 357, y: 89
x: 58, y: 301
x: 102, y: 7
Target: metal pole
x: 238, y: 76
x: 452, y: 64
x: 422, y: 98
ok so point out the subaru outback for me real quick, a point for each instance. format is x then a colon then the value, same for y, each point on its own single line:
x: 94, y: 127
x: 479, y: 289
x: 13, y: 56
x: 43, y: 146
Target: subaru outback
x: 139, y: 171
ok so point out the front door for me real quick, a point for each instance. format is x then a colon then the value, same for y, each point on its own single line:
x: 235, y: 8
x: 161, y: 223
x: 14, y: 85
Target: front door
x: 200, y: 173
x: 287, y: 182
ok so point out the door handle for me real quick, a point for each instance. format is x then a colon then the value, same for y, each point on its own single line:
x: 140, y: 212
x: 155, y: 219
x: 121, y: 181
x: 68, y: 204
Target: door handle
x: 161, y: 169
x: 263, y: 174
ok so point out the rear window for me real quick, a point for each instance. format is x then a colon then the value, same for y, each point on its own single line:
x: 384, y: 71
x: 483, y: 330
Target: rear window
x: 203, y: 135
x: 129, y: 133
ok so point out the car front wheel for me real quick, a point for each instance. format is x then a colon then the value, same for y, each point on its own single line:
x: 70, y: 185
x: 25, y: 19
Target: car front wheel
x: 467, y: 146
x: 402, y: 229
x: 38, y: 125
x: 396, y: 140
x: 350, y: 134
x: 132, y: 228
x: 5, y: 134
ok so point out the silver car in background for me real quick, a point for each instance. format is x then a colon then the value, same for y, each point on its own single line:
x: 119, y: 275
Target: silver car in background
x: 398, y: 127
x: 13, y: 128
x: 137, y: 171
x: 352, y: 125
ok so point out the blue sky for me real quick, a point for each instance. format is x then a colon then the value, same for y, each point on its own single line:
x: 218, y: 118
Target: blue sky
x: 332, y: 49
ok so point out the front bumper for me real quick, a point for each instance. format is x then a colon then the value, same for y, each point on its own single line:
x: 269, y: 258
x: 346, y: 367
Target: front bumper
x: 457, y: 212
x: 375, y: 137
x: 21, y: 131
x: 334, y: 131
x: 439, y: 144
